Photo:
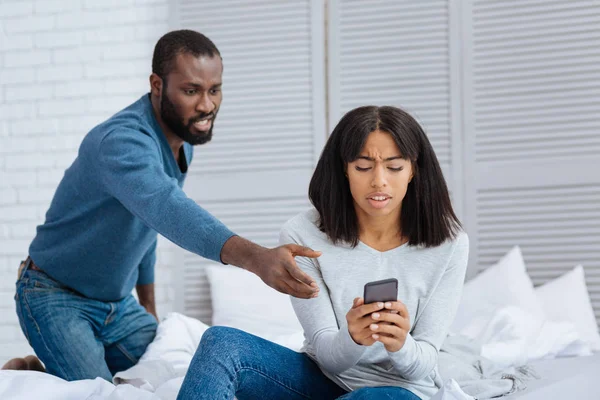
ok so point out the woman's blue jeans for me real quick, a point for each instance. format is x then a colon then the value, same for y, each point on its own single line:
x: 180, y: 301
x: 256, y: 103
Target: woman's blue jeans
x: 230, y: 362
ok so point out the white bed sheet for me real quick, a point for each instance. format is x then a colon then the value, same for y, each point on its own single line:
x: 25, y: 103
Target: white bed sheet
x: 160, y: 373
x: 27, y: 385
x: 564, y: 378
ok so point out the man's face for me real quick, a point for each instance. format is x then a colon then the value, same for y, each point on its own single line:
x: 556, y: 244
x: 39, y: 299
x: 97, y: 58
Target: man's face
x: 191, y: 97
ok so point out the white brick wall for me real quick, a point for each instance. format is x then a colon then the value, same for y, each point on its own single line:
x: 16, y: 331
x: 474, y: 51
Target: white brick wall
x: 65, y: 65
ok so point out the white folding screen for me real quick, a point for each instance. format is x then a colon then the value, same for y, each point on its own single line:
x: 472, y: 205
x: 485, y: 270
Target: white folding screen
x: 532, y: 134
x: 507, y: 92
x: 254, y: 174
x: 400, y: 53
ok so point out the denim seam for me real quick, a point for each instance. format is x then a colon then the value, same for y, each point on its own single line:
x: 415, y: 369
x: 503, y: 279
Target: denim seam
x: 19, y: 299
x: 126, y: 353
x: 50, y: 354
x: 272, y: 379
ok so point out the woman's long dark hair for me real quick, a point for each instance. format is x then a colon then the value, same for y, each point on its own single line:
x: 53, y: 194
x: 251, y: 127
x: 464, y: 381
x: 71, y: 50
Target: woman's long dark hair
x: 427, y: 218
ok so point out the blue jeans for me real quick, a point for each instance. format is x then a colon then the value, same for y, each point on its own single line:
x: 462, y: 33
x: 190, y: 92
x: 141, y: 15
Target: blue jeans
x: 230, y: 362
x: 77, y: 337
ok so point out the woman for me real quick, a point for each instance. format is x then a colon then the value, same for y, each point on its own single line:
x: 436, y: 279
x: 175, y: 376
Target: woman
x: 381, y: 210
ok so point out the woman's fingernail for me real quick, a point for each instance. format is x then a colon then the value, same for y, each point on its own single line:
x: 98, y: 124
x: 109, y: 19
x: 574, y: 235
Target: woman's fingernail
x: 314, y: 284
x: 380, y: 305
x: 376, y: 315
x: 388, y: 305
x: 374, y: 326
x: 375, y: 336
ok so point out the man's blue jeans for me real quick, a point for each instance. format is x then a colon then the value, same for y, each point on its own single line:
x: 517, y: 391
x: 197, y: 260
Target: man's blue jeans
x: 230, y: 362
x: 80, y: 338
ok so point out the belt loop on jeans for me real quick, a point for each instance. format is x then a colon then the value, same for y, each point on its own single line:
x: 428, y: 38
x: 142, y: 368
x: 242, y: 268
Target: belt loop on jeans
x: 23, y: 267
x: 27, y: 264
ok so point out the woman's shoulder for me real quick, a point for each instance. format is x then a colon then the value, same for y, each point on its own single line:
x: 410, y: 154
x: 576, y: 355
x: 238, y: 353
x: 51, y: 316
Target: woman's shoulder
x: 303, y: 226
x: 457, y: 243
x: 456, y: 248
x: 307, y: 220
x: 461, y: 240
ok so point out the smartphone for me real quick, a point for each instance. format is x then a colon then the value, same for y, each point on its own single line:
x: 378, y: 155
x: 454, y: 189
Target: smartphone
x: 385, y: 290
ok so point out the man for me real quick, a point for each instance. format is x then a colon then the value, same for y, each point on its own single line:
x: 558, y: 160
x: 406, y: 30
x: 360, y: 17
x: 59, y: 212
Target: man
x: 73, y: 295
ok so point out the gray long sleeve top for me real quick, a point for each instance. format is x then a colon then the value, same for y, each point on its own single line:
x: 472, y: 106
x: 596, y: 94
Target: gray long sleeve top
x: 430, y: 282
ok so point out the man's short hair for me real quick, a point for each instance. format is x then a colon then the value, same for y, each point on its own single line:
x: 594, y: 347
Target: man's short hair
x: 184, y: 41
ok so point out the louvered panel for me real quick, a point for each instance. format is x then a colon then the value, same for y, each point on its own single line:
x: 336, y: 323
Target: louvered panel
x: 400, y: 60
x: 268, y: 102
x: 431, y: 60
x: 355, y: 10
x: 557, y: 228
x: 258, y: 220
x: 535, y: 79
x: 254, y: 174
x: 232, y: 156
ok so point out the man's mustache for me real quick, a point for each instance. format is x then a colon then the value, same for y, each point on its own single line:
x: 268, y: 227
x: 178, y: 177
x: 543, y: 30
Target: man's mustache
x: 201, y: 117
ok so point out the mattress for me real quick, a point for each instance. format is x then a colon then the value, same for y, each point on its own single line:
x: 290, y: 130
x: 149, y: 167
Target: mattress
x: 564, y: 378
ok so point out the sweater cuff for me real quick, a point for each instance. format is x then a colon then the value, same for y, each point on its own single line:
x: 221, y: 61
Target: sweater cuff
x: 406, y: 355
x: 217, y: 241
x: 348, y: 345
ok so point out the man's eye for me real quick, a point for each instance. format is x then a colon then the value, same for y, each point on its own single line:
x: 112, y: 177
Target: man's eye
x: 215, y: 91
x: 190, y: 91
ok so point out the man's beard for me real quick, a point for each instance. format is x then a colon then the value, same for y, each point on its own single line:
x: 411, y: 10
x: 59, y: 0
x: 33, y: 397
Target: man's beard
x: 175, y: 122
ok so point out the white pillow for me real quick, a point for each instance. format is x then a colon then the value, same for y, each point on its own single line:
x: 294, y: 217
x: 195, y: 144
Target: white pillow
x: 242, y: 300
x: 566, y: 298
x: 503, y: 284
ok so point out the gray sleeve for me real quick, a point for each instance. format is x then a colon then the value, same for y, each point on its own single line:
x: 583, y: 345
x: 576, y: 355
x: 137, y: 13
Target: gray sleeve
x: 334, y: 348
x: 418, y: 357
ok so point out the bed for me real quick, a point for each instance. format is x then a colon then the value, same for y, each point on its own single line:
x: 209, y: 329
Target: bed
x: 572, y: 375
x: 564, y: 378
x: 160, y: 373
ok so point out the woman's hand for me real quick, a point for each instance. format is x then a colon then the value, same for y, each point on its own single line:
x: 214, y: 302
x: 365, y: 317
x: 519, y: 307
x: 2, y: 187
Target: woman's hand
x: 359, y: 320
x: 391, y: 326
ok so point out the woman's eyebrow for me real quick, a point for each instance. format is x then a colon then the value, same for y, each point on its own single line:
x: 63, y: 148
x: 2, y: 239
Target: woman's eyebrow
x: 372, y: 159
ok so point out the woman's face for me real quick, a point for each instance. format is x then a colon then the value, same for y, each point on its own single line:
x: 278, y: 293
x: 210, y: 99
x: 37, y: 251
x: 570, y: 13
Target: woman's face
x: 379, y: 177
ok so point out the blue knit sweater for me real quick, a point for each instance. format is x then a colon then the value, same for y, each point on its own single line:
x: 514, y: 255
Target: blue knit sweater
x: 99, y: 236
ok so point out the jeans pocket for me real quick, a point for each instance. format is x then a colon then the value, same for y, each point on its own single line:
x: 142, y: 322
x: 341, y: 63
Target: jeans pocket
x: 39, y: 280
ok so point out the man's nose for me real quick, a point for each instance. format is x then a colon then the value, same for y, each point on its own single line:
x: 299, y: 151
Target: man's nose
x: 205, y: 105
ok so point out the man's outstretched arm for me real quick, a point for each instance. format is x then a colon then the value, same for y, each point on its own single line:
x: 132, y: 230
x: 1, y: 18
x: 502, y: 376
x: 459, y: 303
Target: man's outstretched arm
x: 276, y: 267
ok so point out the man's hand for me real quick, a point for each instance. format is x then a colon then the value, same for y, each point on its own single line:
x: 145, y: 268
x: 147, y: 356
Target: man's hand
x: 276, y: 267
x: 391, y: 326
